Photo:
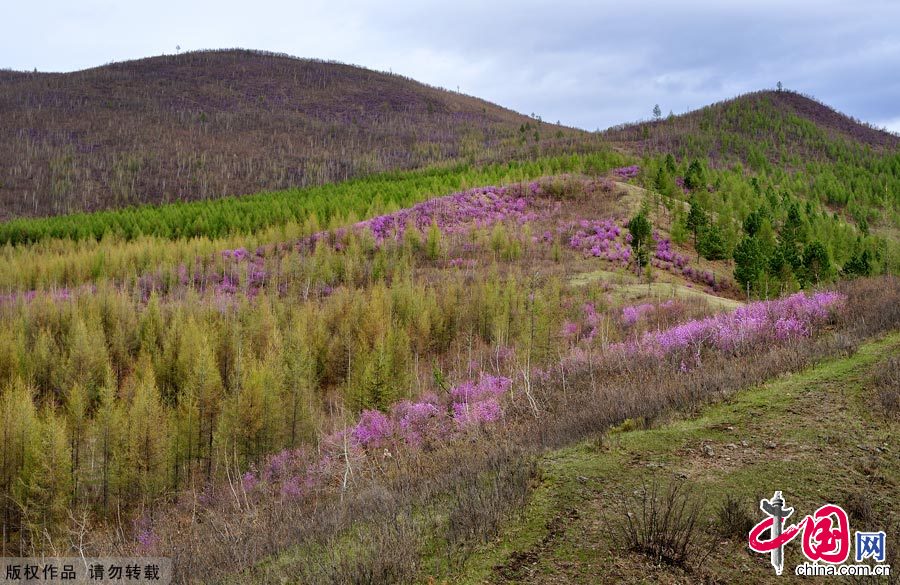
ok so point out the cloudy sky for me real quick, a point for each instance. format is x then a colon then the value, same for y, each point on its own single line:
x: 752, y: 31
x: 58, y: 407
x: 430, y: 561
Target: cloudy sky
x: 590, y: 64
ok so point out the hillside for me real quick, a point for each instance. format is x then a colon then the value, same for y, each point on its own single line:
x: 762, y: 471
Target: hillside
x: 447, y: 373
x: 722, y: 460
x: 776, y: 124
x: 207, y: 124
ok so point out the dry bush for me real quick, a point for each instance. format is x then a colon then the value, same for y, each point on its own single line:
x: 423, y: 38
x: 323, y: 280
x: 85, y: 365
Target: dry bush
x: 128, y: 133
x: 859, y: 506
x: 887, y: 388
x: 479, y: 505
x: 735, y: 518
x: 663, y: 523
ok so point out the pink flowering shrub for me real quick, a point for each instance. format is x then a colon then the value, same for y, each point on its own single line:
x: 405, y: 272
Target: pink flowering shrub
x: 414, y: 425
x: 591, y: 320
x: 570, y: 330
x: 481, y: 207
x: 791, y: 317
x: 633, y: 313
x: 144, y: 534
x: 420, y: 422
x: 599, y: 239
x: 463, y: 262
x: 629, y: 172
x: 249, y: 480
x: 374, y: 429
x: 666, y: 257
x: 469, y: 414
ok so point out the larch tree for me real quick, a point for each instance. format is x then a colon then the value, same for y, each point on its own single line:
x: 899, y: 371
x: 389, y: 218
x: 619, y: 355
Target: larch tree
x: 44, y: 487
x: 19, y: 436
x: 147, y: 438
x: 299, y: 384
x: 76, y: 417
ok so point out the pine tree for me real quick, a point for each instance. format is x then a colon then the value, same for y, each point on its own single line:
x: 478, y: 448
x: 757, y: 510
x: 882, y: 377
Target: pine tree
x: 640, y: 229
x: 88, y: 360
x: 696, y: 222
x: 749, y: 263
x: 816, y: 263
x: 860, y: 264
x: 753, y: 223
x: 792, y: 238
x: 711, y: 244
x: 299, y: 382
x: 151, y: 328
x: 695, y: 177
x: 250, y: 419
x: 107, y: 430
x: 77, y: 403
x: 205, y: 385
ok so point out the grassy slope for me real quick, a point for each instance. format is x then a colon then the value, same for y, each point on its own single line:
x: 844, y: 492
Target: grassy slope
x: 829, y: 442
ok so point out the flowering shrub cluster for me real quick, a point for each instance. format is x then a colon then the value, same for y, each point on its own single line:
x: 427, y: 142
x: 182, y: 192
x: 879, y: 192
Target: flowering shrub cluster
x: 627, y: 172
x: 702, y: 277
x: 463, y: 262
x: 245, y: 271
x: 415, y: 423
x: 481, y: 207
x: 146, y: 538
x: 585, y: 331
x: 229, y: 281
x: 633, y: 313
x: 600, y: 240
x: 792, y: 317
x: 241, y: 271
x: 408, y: 424
x: 666, y: 256
x: 63, y: 294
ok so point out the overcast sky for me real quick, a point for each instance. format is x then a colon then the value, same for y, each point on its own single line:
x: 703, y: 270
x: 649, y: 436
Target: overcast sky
x: 590, y: 64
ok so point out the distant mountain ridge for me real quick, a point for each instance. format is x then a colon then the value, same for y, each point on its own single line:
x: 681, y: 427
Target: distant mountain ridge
x: 207, y: 124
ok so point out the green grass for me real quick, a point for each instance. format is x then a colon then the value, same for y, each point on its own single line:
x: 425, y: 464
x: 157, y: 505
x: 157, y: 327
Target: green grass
x: 627, y: 288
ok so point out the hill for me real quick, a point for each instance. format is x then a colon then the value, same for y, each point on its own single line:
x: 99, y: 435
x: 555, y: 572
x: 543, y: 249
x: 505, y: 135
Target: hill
x: 208, y: 124
x: 788, y: 143
x: 779, y: 125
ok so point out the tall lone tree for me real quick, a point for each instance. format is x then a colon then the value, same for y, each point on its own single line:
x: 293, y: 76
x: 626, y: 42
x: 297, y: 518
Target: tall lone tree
x: 696, y: 223
x: 640, y: 230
